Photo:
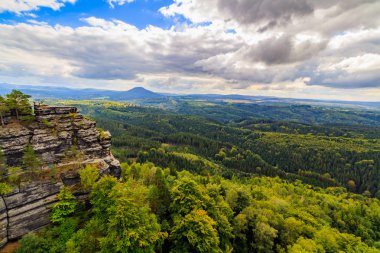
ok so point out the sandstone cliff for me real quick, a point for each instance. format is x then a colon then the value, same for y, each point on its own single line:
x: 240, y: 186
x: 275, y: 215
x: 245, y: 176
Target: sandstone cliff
x: 65, y: 141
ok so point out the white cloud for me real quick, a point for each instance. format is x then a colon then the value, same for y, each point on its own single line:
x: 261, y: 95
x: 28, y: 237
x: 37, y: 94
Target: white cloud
x: 112, y: 3
x: 305, y: 46
x: 24, y: 6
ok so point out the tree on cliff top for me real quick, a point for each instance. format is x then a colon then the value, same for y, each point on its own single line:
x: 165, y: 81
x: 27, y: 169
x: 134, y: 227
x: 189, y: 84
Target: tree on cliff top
x: 4, y: 108
x: 19, y: 102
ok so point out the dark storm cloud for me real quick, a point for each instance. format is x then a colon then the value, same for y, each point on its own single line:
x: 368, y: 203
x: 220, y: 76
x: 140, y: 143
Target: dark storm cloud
x: 284, y: 50
x: 273, y: 12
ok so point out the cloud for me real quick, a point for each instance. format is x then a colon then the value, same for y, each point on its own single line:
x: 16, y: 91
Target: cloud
x: 109, y: 49
x: 114, y: 50
x: 285, y: 40
x: 264, y: 15
x: 284, y: 49
x: 275, y: 44
x: 353, y: 72
x: 112, y: 3
x: 24, y: 6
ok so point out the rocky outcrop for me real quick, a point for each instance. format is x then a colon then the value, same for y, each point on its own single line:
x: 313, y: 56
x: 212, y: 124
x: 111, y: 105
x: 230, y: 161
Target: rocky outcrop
x: 52, y: 136
x: 65, y: 141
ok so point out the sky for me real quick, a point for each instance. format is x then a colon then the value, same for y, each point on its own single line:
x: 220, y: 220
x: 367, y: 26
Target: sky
x: 321, y: 49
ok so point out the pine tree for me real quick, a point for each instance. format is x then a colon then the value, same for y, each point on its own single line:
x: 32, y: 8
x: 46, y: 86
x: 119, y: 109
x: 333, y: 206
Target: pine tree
x: 30, y: 159
x: 4, y: 108
x: 19, y: 102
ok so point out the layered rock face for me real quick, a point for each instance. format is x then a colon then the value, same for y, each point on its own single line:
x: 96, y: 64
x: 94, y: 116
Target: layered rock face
x: 65, y: 141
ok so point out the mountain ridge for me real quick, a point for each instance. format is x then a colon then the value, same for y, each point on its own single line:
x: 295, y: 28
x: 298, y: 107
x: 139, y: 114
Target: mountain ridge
x: 141, y: 93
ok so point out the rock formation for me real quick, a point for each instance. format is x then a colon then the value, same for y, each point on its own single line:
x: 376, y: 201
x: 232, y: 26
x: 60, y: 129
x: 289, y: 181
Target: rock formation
x: 65, y: 141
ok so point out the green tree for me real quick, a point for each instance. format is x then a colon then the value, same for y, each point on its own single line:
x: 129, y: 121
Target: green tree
x: 304, y: 245
x: 159, y: 195
x: 4, y: 108
x: 65, y: 207
x: 5, y: 188
x: 3, y: 163
x: 33, y: 243
x: 88, y: 176
x: 195, y: 232
x: 264, y: 236
x: 130, y: 226
x: 30, y: 160
x: 99, y: 197
x: 19, y: 102
x: 186, y: 196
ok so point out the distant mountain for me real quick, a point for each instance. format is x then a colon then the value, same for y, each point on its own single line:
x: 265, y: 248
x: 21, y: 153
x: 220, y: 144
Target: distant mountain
x: 143, y: 96
x: 277, y: 100
x: 46, y: 92
x: 138, y: 93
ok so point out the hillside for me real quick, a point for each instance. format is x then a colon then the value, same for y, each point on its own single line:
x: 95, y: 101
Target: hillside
x: 143, y: 96
x: 320, y: 154
x: 199, y: 179
x: 51, y: 92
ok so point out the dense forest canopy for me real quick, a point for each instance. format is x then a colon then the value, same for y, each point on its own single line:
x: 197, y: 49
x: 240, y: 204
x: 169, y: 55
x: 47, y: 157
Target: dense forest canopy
x: 206, y: 179
x: 161, y: 210
x: 329, y: 154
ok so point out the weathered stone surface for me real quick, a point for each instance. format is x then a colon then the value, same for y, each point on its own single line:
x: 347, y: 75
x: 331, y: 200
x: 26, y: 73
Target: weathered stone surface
x: 27, y: 222
x: 29, y: 195
x: 3, y: 223
x: 52, y: 135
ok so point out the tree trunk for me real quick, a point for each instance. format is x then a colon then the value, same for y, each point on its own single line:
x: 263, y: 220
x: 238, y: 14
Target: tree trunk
x: 16, y: 114
x: 2, y: 119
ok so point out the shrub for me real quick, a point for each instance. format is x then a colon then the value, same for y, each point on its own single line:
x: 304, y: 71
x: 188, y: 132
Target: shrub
x: 88, y: 176
x: 5, y: 189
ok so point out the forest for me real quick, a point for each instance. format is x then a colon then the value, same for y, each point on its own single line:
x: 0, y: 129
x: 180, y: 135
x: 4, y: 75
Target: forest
x: 162, y: 210
x: 197, y: 181
x: 330, y: 154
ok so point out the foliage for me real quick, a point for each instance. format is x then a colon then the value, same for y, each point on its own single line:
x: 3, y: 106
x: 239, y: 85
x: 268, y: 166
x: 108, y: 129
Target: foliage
x: 103, y: 135
x: 4, y: 108
x: 47, y: 123
x: 14, y: 175
x: 88, y: 176
x: 19, y: 102
x: 33, y: 243
x: 200, y: 185
x: 30, y: 159
x: 5, y: 188
x: 131, y: 227
x: 3, y: 163
x: 245, y: 140
x: 212, y: 214
x: 195, y: 233
x: 65, y: 207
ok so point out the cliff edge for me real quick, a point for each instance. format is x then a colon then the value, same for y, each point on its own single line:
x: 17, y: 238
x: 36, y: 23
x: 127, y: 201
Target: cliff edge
x: 64, y: 142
